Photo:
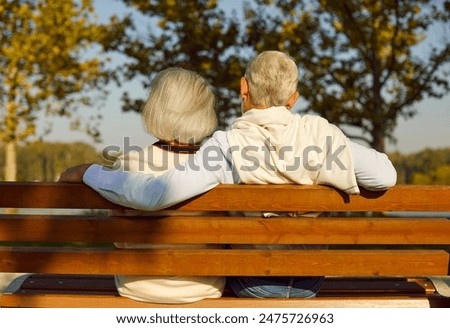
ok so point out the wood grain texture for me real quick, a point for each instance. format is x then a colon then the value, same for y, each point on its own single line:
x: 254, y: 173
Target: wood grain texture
x: 240, y: 198
x: 226, y: 230
x: 204, y: 219
x: 92, y: 301
x: 219, y: 262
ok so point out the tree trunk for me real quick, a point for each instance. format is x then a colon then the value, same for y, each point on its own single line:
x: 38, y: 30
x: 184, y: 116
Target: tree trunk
x: 10, y: 169
x: 11, y: 161
x: 378, y: 138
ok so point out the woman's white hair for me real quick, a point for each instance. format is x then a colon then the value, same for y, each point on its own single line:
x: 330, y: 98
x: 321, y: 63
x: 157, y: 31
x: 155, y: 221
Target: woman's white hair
x: 180, y: 107
x: 272, y: 78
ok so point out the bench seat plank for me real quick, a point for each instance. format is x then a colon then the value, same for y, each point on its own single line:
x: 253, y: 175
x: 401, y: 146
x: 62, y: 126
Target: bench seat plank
x: 108, y: 301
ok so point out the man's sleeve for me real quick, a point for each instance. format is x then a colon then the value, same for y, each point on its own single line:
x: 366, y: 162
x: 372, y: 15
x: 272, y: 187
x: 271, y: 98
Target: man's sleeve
x: 203, y: 171
x: 373, y: 170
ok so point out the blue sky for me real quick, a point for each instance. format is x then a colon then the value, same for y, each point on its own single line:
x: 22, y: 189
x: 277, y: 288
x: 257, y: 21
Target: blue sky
x: 430, y: 128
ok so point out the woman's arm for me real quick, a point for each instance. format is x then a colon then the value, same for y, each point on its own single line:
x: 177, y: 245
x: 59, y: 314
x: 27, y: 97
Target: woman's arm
x: 203, y: 171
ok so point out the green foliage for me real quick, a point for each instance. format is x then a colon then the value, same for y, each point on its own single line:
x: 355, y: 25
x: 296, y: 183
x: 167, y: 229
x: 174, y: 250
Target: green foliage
x: 441, y: 176
x: 41, y: 64
x: 193, y: 34
x: 41, y: 161
x: 430, y: 166
x: 356, y: 57
x: 49, y: 62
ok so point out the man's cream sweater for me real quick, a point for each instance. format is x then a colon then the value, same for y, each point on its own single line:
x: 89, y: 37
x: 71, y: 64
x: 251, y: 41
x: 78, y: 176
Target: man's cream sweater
x: 275, y: 146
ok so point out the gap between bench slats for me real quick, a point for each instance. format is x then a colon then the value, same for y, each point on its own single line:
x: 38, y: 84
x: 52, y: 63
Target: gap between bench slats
x: 210, y: 262
x: 334, y: 286
x: 44, y: 290
x: 226, y: 230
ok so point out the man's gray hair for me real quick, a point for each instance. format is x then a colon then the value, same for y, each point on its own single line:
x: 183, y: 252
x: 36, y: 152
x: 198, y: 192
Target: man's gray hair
x: 180, y: 107
x: 272, y: 78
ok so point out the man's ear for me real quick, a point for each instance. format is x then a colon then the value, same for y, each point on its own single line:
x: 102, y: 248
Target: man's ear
x: 292, y: 99
x: 244, y: 88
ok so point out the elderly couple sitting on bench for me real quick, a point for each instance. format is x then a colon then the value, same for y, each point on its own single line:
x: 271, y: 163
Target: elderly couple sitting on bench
x: 268, y: 144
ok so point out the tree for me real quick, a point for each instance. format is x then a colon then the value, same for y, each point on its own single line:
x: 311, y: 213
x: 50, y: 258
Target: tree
x: 193, y: 34
x: 49, y: 62
x: 43, y: 161
x: 440, y: 176
x: 429, y: 166
x: 357, y: 61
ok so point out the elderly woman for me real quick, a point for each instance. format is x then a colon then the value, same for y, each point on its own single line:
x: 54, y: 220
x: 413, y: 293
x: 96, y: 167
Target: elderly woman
x: 179, y: 112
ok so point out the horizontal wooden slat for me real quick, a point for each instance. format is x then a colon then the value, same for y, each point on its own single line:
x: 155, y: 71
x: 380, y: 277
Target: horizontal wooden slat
x: 50, y: 195
x: 320, y: 198
x: 242, y: 197
x: 220, y: 262
x: 226, y: 230
x: 92, y: 301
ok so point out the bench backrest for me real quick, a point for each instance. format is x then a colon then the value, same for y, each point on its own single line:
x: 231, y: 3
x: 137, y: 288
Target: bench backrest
x: 360, y: 244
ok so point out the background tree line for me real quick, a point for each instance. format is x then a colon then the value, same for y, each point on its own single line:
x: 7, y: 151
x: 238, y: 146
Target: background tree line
x: 429, y: 166
x: 42, y: 161
x: 358, y: 61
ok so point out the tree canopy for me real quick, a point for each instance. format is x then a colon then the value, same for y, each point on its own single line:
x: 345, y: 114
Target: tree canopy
x: 357, y: 59
x: 193, y: 34
x: 49, y: 62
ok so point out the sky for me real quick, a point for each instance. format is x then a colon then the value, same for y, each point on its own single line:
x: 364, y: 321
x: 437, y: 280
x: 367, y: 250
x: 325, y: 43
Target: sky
x: 430, y: 128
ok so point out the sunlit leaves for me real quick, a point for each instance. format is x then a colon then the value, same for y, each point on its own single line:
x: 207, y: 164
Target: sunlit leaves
x: 356, y: 58
x: 48, y: 57
x: 194, y: 34
x: 50, y: 63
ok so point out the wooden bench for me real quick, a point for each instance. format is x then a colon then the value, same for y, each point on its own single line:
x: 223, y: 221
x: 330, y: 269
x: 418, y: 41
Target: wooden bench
x: 377, y: 260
